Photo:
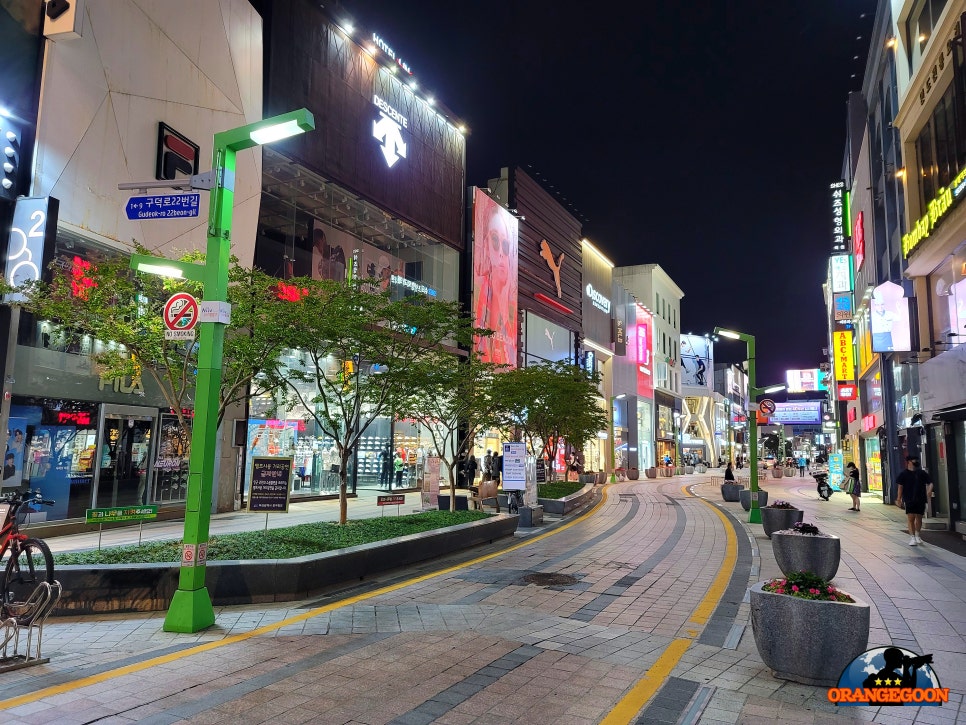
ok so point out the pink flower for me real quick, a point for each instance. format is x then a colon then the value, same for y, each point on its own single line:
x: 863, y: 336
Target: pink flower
x: 814, y: 591
x: 794, y: 587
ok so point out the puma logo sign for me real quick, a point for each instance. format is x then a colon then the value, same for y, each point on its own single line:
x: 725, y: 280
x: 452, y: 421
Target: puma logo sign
x: 554, y: 265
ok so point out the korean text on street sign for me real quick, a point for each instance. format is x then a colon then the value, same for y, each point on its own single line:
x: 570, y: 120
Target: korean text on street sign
x: 396, y: 499
x: 121, y: 513
x: 269, y: 487
x: 171, y: 206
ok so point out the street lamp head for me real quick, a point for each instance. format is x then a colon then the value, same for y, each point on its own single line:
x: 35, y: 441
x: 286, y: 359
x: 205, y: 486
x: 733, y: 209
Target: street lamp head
x: 773, y: 389
x: 266, y: 130
x: 161, y: 270
x: 728, y: 333
x: 276, y: 132
x: 620, y: 397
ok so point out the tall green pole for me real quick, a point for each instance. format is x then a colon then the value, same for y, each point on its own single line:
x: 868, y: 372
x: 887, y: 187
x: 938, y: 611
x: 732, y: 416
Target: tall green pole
x: 191, y: 609
x: 755, y: 513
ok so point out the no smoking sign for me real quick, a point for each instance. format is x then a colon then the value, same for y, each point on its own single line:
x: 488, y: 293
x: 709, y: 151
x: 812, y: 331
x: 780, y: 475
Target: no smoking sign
x: 180, y: 317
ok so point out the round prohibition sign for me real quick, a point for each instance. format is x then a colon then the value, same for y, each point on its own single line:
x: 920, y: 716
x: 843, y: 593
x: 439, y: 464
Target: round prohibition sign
x: 767, y: 406
x: 181, y: 312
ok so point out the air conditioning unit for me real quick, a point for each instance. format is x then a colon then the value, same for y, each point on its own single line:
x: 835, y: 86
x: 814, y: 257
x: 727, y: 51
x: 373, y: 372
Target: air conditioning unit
x: 63, y: 19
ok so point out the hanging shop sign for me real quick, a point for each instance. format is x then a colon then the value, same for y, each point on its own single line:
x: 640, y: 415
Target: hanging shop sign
x: 844, y: 356
x: 848, y: 392
x: 935, y: 211
x: 840, y: 215
x: 842, y: 305
x: 840, y: 266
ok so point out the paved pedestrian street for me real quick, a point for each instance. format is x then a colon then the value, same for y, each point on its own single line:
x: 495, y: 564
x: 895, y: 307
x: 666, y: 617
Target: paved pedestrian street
x: 635, y: 611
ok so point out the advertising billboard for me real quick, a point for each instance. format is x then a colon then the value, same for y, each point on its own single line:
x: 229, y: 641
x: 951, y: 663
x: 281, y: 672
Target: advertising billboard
x: 804, y: 413
x: 640, y: 339
x: 804, y: 381
x: 840, y: 214
x: 697, y: 360
x: 546, y: 341
x: 844, y: 354
x: 858, y: 240
x: 495, y: 239
x: 843, y: 307
x: 889, y: 319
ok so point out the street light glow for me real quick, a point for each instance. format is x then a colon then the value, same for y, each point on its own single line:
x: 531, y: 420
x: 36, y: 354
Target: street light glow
x: 730, y: 333
x: 276, y: 132
x: 772, y: 388
x: 160, y: 270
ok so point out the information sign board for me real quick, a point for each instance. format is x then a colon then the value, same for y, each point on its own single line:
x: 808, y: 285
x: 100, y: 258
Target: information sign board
x: 514, y: 466
x: 168, y: 206
x: 394, y: 499
x: 268, y: 488
x: 121, y: 513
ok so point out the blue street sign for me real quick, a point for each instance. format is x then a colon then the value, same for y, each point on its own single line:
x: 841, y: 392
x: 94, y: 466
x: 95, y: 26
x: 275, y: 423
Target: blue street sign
x: 170, y: 206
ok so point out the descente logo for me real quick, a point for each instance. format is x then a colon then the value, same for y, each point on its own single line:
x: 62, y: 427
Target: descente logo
x: 598, y: 300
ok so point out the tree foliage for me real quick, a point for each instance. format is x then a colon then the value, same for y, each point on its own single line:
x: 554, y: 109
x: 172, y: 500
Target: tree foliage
x: 106, y: 300
x: 453, y: 399
x: 360, y: 354
x: 550, y: 401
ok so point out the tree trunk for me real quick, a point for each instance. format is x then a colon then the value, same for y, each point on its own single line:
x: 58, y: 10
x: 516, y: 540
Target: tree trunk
x: 452, y: 485
x: 343, y: 489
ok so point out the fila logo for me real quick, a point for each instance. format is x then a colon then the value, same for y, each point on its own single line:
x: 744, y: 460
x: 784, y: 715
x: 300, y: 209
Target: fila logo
x: 177, y: 154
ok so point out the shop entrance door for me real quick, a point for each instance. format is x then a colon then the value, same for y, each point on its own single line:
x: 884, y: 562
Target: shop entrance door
x: 123, y: 462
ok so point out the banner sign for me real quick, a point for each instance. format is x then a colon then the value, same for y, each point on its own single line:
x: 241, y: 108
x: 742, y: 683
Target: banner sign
x: 268, y: 489
x: 844, y: 356
x: 121, y: 513
x: 839, y: 216
x: 395, y: 499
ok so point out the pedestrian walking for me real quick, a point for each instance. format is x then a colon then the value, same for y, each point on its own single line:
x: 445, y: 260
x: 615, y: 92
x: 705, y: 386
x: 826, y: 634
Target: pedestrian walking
x: 729, y: 474
x: 853, y: 487
x: 914, y: 492
x: 488, y: 465
x: 802, y: 463
x: 471, y: 466
x: 497, y: 468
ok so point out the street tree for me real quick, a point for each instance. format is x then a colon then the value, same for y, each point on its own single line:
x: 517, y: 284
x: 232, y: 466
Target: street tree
x: 451, y: 398
x: 549, y: 401
x: 359, y: 353
x: 105, y: 299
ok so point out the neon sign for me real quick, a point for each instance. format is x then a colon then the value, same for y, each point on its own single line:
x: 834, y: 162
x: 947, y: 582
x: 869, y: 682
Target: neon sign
x: 385, y: 48
x: 413, y: 285
x: 858, y: 240
x: 935, y: 210
x: 598, y: 300
x: 839, y: 215
x: 387, y: 130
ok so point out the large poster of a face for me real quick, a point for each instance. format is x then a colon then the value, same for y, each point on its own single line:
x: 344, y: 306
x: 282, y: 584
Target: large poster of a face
x: 495, y: 239
x: 696, y: 361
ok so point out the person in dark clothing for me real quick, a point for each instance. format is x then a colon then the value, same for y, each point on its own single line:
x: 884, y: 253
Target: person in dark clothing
x: 471, y: 467
x: 914, y: 493
x: 729, y: 474
x: 497, y: 469
x: 855, y: 487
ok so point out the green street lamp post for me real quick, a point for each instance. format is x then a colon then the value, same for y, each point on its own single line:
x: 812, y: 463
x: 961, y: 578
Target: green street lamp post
x: 753, y: 393
x: 191, y: 609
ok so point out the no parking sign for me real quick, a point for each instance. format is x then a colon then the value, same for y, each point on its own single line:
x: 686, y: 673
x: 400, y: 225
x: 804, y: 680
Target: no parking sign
x: 180, y: 317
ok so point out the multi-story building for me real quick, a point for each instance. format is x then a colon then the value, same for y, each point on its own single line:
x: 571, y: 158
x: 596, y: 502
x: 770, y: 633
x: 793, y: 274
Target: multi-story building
x: 651, y: 285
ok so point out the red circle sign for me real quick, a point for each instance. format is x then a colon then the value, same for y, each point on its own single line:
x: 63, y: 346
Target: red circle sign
x: 181, y: 312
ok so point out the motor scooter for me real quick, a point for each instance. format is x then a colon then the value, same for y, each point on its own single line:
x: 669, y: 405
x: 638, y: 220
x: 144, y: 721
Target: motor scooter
x: 824, y: 490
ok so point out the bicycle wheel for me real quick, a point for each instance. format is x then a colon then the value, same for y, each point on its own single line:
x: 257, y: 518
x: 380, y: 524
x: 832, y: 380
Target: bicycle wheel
x: 32, y: 566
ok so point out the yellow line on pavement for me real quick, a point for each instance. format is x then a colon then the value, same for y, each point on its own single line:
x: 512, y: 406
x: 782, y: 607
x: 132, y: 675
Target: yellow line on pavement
x: 638, y: 696
x: 232, y: 639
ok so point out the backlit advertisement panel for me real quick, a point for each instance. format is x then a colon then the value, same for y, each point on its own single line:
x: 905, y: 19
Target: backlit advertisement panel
x: 844, y: 356
x: 697, y: 359
x: 843, y: 307
x: 803, y: 381
x: 640, y: 339
x: 803, y: 413
x: 889, y: 319
x: 858, y: 240
x: 495, y: 240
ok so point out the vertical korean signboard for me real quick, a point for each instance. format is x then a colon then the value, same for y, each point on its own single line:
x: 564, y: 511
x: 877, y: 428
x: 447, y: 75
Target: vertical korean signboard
x: 840, y: 216
x: 844, y: 356
x: 269, y: 487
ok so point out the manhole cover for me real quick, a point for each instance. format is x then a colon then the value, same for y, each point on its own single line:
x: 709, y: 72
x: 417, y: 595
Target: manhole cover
x: 550, y: 580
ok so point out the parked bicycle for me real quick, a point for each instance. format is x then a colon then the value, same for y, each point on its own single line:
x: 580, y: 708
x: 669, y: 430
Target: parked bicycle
x: 30, y: 563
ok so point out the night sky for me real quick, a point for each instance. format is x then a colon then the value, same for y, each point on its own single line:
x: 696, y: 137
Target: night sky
x: 701, y: 136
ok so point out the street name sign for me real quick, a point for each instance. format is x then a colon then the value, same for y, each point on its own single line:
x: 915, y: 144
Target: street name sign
x: 169, y: 206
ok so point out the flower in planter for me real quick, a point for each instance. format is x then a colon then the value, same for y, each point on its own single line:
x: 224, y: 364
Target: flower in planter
x: 806, y: 585
x: 809, y: 529
x: 781, y: 505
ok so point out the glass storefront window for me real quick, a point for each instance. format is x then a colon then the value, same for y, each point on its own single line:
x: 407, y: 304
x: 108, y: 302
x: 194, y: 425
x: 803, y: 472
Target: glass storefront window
x: 645, y: 433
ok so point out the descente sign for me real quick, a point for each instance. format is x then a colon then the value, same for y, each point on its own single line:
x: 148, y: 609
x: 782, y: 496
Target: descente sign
x: 935, y: 210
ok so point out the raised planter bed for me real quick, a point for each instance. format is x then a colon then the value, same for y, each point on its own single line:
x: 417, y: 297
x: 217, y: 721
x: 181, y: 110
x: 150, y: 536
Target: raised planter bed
x: 819, y: 554
x: 149, y: 587
x: 731, y: 491
x: 745, y: 497
x: 775, y: 519
x: 561, y: 506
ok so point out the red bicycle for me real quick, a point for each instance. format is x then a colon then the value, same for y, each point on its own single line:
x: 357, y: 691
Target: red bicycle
x: 30, y: 563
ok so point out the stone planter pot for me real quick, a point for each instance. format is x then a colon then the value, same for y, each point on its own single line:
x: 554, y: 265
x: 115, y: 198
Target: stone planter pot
x: 688, y: 470
x: 744, y: 495
x: 665, y: 472
x: 587, y: 478
x: 803, y: 552
x: 773, y: 520
x: 805, y: 640
x: 730, y: 491
x: 602, y: 477
x: 701, y: 469
x: 650, y: 472
x: 776, y: 472
x: 633, y: 473
x: 790, y: 472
